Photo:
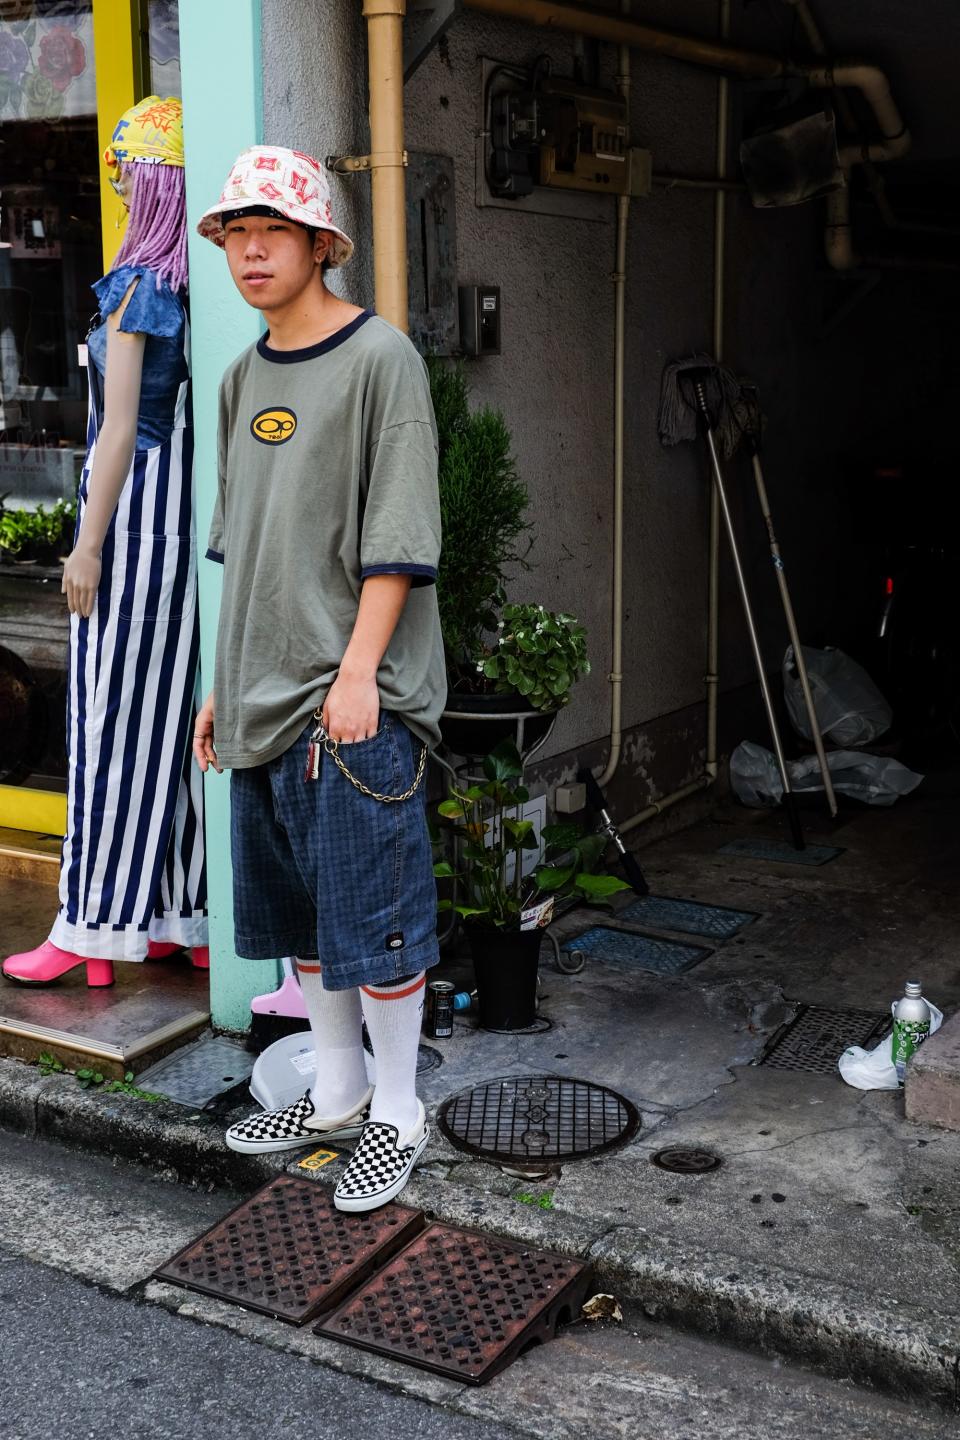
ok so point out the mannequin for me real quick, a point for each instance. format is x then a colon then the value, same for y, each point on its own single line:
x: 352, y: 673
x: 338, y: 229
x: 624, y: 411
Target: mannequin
x: 132, y: 881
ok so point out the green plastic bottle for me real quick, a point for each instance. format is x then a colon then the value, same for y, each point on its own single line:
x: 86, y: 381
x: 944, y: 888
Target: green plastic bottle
x: 911, y: 1026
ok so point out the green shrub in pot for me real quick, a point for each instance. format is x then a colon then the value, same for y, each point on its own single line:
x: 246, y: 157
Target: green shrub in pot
x: 537, y: 654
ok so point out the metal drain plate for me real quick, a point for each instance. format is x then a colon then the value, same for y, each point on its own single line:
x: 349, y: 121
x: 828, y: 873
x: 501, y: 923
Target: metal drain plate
x: 640, y: 952
x: 686, y: 1160
x: 461, y: 1304
x: 198, y: 1073
x: 687, y: 917
x: 817, y: 1038
x: 537, y: 1118
x: 288, y: 1253
x: 756, y: 848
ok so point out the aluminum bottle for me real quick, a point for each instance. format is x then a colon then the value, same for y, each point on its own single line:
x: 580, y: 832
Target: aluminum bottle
x: 911, y: 1026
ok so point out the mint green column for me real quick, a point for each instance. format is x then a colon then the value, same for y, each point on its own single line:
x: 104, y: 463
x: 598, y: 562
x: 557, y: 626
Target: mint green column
x: 222, y: 105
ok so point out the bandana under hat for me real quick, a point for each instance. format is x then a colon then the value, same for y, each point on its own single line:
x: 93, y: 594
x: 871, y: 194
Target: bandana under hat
x: 293, y: 184
x: 149, y: 133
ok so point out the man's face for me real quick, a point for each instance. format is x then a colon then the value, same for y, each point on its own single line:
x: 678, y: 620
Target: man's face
x: 272, y: 261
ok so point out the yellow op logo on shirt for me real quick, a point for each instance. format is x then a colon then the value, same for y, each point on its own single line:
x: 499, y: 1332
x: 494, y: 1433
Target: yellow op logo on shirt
x: 274, y: 426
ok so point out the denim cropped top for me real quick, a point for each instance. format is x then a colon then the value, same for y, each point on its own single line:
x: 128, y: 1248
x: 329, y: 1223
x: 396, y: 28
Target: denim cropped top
x: 159, y: 315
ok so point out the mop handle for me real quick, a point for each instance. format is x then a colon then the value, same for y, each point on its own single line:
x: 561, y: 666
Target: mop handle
x: 801, y: 664
x: 789, y: 799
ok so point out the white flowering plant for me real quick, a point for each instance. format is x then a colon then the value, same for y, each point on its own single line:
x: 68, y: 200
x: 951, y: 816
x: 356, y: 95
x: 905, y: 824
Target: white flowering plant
x: 538, y: 653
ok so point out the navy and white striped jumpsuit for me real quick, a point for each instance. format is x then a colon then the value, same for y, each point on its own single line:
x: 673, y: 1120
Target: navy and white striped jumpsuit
x: 132, y: 866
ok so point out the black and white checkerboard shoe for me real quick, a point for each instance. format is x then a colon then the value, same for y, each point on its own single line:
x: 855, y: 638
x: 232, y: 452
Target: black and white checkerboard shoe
x: 294, y: 1126
x: 381, y: 1165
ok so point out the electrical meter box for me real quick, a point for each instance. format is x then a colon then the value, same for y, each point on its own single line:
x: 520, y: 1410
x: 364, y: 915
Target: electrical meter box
x: 480, y: 320
x: 559, y: 133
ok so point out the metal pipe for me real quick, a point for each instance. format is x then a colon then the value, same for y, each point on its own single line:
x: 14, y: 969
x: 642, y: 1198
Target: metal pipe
x: 712, y: 677
x: 692, y: 182
x: 657, y: 807
x: 622, y: 31
x: 875, y: 88
x: 619, y: 341
x: 387, y: 158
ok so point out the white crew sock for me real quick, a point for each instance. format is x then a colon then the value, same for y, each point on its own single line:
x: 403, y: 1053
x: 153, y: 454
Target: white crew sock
x: 335, y: 1023
x: 393, y: 1012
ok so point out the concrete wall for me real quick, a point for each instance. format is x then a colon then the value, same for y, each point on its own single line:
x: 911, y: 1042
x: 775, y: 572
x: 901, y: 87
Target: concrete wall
x: 830, y: 399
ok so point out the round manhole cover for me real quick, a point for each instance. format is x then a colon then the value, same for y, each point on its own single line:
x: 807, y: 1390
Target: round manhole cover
x: 687, y: 1160
x: 537, y: 1118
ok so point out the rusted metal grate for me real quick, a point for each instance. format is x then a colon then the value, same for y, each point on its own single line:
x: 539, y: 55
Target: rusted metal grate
x: 540, y: 1117
x: 817, y: 1037
x: 288, y: 1253
x: 461, y: 1304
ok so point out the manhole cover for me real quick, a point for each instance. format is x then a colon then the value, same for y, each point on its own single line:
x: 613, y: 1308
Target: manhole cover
x: 779, y: 851
x: 198, y: 1073
x: 461, y: 1304
x: 687, y: 1160
x: 537, y: 1118
x: 540, y: 1026
x: 641, y: 952
x: 687, y: 917
x: 288, y: 1253
x: 817, y: 1038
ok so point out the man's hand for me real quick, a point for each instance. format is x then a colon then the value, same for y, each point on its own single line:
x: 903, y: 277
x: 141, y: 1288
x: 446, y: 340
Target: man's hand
x: 203, y: 744
x: 352, y: 708
x: 81, y: 580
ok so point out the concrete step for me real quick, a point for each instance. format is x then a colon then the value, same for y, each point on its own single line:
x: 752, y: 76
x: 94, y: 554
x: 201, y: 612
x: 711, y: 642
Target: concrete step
x: 932, y: 1087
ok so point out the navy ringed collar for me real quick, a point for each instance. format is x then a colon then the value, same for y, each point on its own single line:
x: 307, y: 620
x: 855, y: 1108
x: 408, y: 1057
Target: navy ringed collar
x: 293, y: 357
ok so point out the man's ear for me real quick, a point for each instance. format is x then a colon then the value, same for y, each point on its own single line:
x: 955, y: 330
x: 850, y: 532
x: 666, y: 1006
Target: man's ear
x: 321, y: 246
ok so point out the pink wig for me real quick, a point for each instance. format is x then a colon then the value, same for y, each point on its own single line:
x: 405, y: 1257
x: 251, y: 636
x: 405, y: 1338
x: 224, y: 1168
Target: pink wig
x: 157, y: 229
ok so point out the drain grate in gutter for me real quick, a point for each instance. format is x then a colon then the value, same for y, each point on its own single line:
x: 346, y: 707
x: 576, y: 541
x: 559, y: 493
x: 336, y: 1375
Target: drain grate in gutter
x: 461, y: 1304
x: 640, y: 952
x: 816, y: 1039
x: 687, y: 917
x: 756, y: 848
x: 288, y: 1253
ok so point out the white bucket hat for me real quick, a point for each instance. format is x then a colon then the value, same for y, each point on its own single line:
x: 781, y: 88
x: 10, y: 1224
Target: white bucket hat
x: 288, y: 181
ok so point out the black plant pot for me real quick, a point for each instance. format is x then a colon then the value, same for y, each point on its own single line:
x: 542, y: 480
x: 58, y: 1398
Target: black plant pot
x: 505, y: 964
x: 480, y: 736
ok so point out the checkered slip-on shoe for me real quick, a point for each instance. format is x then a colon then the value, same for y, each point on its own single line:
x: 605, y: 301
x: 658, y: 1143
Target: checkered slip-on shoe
x: 294, y: 1126
x: 381, y: 1166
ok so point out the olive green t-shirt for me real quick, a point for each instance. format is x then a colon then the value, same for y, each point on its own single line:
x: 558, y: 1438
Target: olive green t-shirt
x: 327, y: 475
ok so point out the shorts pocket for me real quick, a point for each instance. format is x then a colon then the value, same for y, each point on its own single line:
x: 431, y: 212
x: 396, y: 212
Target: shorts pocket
x: 160, y: 577
x: 352, y: 747
x: 375, y: 762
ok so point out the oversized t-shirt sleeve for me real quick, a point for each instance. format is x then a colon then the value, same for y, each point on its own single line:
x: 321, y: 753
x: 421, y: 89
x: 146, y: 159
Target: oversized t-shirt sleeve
x: 215, y: 541
x: 400, y: 530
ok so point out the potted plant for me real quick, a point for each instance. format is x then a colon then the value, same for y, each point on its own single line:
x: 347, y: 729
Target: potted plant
x: 505, y: 911
x: 37, y: 536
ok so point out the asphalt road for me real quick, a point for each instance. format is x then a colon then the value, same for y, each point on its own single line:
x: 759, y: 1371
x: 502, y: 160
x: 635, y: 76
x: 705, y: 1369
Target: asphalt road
x: 92, y: 1349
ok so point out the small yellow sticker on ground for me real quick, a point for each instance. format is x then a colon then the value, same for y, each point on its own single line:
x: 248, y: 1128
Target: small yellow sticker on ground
x: 318, y: 1159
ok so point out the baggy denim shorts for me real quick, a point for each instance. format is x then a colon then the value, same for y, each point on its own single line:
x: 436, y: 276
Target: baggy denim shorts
x: 321, y: 870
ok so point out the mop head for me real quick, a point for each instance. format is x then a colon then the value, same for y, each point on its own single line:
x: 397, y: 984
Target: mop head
x: 732, y: 413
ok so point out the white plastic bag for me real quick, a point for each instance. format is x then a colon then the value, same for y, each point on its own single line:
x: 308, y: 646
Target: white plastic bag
x: 874, y: 779
x: 850, y: 709
x: 874, y: 1069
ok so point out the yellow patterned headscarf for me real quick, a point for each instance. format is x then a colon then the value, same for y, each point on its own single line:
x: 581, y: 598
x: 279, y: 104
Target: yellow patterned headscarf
x: 149, y: 133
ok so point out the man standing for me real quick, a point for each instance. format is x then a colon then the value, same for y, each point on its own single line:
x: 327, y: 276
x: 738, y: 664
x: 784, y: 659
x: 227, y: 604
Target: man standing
x: 329, y: 676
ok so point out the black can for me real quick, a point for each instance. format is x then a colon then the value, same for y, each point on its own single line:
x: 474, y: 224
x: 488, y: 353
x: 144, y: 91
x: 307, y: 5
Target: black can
x: 440, y: 1009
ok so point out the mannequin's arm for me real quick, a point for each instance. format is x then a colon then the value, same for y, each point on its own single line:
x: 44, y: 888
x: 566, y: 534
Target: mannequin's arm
x: 115, y: 446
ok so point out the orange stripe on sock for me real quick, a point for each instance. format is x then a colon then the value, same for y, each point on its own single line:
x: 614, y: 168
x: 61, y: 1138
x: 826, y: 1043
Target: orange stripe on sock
x: 395, y: 994
x: 309, y: 969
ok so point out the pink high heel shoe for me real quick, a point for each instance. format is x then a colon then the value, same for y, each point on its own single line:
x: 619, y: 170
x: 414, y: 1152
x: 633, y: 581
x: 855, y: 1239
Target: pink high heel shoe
x: 163, y: 949
x: 48, y: 963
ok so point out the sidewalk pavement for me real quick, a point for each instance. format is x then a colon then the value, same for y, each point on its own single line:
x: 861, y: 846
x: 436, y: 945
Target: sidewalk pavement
x: 830, y: 1232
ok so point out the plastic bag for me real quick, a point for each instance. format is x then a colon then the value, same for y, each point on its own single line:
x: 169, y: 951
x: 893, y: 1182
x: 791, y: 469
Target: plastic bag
x: 874, y: 779
x: 874, y: 1069
x: 850, y: 709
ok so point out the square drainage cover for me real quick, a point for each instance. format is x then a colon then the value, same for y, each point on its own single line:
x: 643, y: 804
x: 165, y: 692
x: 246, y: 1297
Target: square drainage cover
x: 757, y: 848
x: 200, y: 1072
x: 688, y: 917
x: 640, y: 952
x: 288, y: 1253
x: 461, y: 1304
x: 816, y: 1039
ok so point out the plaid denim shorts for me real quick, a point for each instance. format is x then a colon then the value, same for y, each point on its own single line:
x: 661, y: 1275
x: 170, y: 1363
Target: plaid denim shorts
x: 322, y: 870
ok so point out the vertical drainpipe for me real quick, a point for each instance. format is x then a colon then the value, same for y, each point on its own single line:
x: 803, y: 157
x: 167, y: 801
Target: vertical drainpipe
x: 620, y: 303
x: 719, y: 299
x: 387, y: 157
x: 220, y: 119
